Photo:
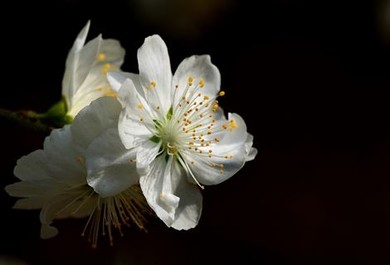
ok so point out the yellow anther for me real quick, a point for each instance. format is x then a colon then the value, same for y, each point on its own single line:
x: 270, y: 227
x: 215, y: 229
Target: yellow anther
x: 201, y: 82
x: 153, y: 84
x: 190, y: 80
x: 233, y: 124
x: 106, y: 68
x: 217, y: 140
x: 140, y: 106
x: 107, y: 91
x: 101, y: 56
x: 206, y: 97
x: 224, y: 126
x: 215, y: 107
x: 221, y: 93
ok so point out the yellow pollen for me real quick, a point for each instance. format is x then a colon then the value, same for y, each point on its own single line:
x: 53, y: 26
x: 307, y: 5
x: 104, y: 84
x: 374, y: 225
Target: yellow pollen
x: 107, y: 91
x: 206, y: 97
x: 153, y: 84
x: 233, y: 124
x: 201, y: 82
x: 215, y: 107
x: 190, y: 80
x: 106, y: 68
x: 222, y: 93
x: 140, y: 106
x: 101, y: 56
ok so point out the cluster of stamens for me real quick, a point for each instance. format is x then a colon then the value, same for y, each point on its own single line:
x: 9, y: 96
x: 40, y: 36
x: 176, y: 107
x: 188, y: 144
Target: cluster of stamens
x: 190, y: 125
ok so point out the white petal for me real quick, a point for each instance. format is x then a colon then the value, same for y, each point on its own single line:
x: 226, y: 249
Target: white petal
x: 116, y: 79
x: 63, y: 160
x: 154, y: 66
x: 87, y: 57
x: 30, y: 203
x: 95, y: 84
x: 227, y: 157
x: 68, y: 82
x: 111, y: 168
x: 157, y: 188
x: 58, y: 160
x: 30, y: 167
x: 102, y: 114
x: 48, y: 231
x: 135, y: 118
x: 51, y: 210
x: 237, y: 135
x: 39, y: 188
x: 113, y: 52
x: 188, y: 213
x: 146, y: 153
x: 250, y: 151
x: 196, y: 67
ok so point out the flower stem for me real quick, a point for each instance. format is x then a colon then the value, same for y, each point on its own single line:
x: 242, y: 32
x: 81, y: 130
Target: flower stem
x: 25, y: 118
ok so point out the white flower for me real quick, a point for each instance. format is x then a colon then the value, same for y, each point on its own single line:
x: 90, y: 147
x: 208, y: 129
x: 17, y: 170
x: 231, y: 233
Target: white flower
x: 86, y: 68
x: 55, y: 179
x: 180, y: 134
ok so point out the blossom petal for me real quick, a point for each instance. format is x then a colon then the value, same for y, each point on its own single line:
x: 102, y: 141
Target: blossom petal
x: 30, y: 167
x: 112, y: 51
x: 250, y: 151
x: 146, y: 153
x: 200, y: 73
x: 69, y: 84
x: 44, y: 187
x: 157, y: 189
x: 43, y: 164
x: 59, y: 147
x: 135, y: 123
x: 226, y: 158
x: 111, y: 168
x: 155, y: 71
x: 50, y: 211
x: 48, y: 231
x: 103, y: 113
x: 188, y: 213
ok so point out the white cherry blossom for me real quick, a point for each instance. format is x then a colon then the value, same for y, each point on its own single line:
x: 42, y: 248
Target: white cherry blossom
x: 74, y: 175
x: 180, y: 135
x: 87, y: 65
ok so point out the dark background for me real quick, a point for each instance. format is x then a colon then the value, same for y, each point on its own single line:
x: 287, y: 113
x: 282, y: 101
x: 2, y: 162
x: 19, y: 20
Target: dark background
x: 310, y: 78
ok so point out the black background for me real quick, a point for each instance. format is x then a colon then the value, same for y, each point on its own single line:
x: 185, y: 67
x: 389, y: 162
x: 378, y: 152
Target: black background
x: 310, y: 78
